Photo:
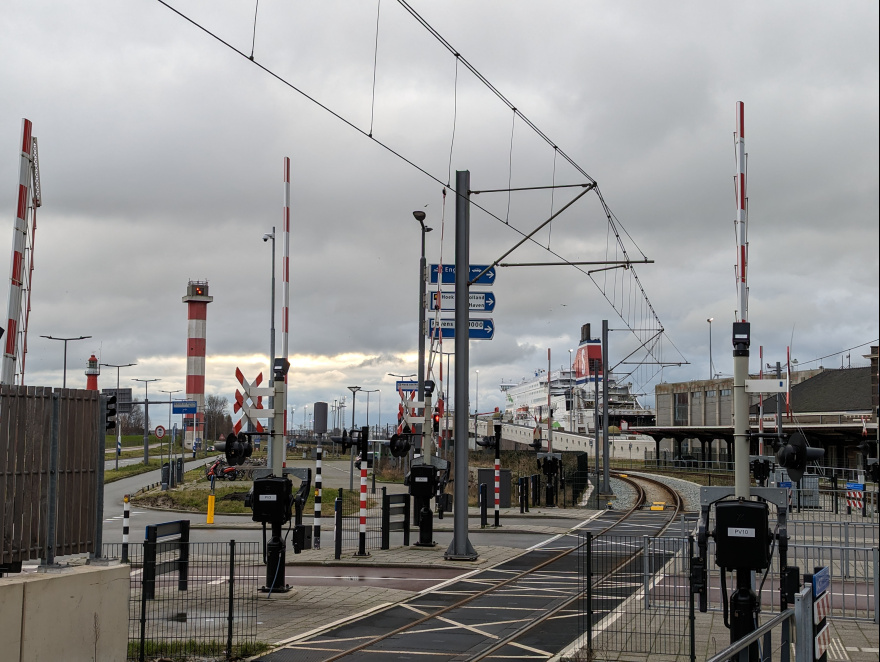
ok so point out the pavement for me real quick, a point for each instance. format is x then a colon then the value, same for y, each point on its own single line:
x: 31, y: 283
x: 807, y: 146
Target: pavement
x: 306, y: 610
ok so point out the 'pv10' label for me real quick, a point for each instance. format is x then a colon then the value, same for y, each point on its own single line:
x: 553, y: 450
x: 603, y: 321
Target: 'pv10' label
x: 421, y: 479
x: 268, y: 497
x: 738, y: 532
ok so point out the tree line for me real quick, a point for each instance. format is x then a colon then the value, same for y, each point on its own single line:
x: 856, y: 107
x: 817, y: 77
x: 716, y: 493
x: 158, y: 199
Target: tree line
x: 218, y: 422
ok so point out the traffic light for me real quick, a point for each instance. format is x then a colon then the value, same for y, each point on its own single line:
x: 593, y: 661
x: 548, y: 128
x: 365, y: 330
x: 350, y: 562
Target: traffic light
x: 796, y: 454
x: 874, y: 472
x: 236, y: 448
x: 399, y: 444
x: 866, y: 448
x: 497, y: 435
x: 110, y: 416
x: 761, y: 470
x: 435, y: 418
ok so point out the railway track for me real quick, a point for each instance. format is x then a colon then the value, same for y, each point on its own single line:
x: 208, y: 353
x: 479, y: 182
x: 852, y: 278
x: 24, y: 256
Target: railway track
x: 527, y: 605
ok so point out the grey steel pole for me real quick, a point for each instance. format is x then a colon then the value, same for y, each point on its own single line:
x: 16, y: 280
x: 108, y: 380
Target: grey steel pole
x: 354, y: 390
x: 147, y: 417
x: 741, y: 340
x: 420, y: 412
x: 606, y: 481
x: 460, y: 548
x: 271, y: 422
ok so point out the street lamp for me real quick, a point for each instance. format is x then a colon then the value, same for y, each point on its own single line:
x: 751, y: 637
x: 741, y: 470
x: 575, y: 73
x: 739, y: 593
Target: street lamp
x: 363, y: 459
x: 711, y: 367
x: 375, y: 390
x: 118, y: 426
x: 66, y: 340
x: 420, y: 217
x: 171, y: 442
x: 147, y: 417
x: 267, y: 237
x: 354, y: 390
x: 476, y: 405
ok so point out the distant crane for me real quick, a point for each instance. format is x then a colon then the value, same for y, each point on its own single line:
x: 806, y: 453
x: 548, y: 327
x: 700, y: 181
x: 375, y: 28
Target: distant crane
x: 21, y: 269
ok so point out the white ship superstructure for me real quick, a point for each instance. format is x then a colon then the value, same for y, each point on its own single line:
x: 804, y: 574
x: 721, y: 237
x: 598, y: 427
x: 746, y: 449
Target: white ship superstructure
x: 573, y: 394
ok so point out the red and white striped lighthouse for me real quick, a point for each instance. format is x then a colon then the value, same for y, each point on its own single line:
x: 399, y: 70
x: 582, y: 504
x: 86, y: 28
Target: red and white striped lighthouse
x: 92, y: 372
x: 196, y: 301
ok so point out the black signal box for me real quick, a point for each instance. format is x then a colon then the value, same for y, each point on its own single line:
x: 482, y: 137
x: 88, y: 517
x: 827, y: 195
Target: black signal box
x: 742, y: 537
x: 423, y: 481
x: 271, y: 499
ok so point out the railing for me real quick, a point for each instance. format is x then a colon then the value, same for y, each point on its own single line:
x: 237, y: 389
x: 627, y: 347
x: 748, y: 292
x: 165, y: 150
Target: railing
x: 347, y: 522
x: 215, y: 618
x: 854, y: 571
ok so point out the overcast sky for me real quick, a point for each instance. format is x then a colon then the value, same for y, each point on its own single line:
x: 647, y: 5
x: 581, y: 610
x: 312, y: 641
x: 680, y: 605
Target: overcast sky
x: 161, y: 161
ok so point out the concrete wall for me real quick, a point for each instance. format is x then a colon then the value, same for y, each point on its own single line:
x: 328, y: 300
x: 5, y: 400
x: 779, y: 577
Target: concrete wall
x: 74, y: 614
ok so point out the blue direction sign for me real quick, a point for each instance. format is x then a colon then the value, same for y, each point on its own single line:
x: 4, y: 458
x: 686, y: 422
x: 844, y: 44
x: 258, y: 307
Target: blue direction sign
x: 479, y: 301
x: 478, y: 329
x: 407, y: 386
x: 184, y: 407
x: 821, y: 581
x: 785, y: 483
x: 856, y: 486
x: 448, y: 274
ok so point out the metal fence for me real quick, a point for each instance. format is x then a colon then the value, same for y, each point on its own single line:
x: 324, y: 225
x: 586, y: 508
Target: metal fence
x: 847, y: 534
x: 828, y: 503
x: 635, y: 595
x: 51, y: 473
x: 854, y: 578
x: 212, y: 616
x: 347, y: 516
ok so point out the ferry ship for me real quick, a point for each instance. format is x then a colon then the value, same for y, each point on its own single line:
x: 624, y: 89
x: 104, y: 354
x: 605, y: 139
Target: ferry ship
x: 573, y: 393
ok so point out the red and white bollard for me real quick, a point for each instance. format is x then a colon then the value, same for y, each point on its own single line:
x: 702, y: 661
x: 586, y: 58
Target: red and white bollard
x: 362, y: 534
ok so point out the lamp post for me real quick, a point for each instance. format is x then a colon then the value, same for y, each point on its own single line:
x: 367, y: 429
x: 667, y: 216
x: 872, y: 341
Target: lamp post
x: 711, y: 367
x: 420, y: 217
x: 363, y: 459
x: 147, y: 417
x: 65, y: 340
x: 476, y: 405
x: 267, y: 237
x: 354, y: 390
x: 170, y: 439
x: 118, y: 426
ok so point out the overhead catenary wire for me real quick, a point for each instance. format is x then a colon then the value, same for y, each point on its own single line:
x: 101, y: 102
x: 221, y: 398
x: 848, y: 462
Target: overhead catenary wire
x: 616, y: 227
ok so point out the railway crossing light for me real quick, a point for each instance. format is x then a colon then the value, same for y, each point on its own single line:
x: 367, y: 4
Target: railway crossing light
x: 796, y: 454
x: 399, y: 444
x: 110, y: 416
x: 236, y: 448
x: 435, y: 418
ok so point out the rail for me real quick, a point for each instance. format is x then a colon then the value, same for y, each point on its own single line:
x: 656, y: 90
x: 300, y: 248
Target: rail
x: 558, y: 605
